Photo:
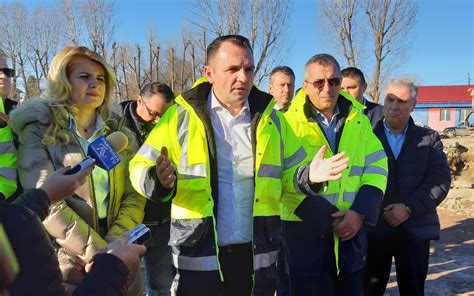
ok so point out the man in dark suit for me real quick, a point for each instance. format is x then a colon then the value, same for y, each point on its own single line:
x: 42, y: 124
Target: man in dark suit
x: 353, y: 82
x: 418, y: 181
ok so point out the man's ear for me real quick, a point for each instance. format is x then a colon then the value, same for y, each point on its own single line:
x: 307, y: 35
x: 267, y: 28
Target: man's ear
x: 364, y: 87
x: 305, y: 86
x: 209, y: 72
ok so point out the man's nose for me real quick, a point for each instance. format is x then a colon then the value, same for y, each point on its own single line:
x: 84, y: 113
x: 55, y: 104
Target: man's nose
x: 243, y: 75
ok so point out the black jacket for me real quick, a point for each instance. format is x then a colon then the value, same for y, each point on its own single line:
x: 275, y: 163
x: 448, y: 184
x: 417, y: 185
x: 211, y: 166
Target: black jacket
x: 420, y: 178
x: 155, y: 213
x: 374, y: 112
x: 39, y: 267
x: 9, y: 105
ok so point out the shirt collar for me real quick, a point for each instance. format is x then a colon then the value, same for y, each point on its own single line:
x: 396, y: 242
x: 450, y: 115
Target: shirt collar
x: 317, y: 114
x: 390, y: 132
x: 214, y: 104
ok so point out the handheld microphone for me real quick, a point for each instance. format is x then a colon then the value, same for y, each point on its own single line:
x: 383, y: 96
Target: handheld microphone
x: 104, y: 152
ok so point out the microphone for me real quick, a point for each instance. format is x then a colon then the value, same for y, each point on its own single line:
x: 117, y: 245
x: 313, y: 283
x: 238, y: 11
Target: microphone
x: 104, y: 152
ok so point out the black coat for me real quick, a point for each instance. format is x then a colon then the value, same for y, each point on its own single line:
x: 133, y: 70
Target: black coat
x: 420, y: 178
x: 39, y: 267
x: 374, y: 112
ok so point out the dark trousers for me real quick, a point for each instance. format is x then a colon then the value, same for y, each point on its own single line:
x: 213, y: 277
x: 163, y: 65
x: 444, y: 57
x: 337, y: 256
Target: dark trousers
x: 158, y: 261
x: 329, y: 284
x: 237, y: 269
x: 236, y: 263
x: 411, y: 261
x: 283, y: 278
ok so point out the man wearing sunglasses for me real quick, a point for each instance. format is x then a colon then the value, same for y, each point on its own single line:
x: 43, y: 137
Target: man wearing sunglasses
x: 326, y: 234
x: 141, y: 115
x: 9, y: 187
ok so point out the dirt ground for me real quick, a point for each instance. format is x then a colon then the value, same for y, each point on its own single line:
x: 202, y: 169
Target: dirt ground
x: 451, y: 269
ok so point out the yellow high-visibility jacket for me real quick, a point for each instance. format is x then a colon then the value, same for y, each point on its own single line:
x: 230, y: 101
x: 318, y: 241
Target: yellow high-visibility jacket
x: 186, y: 130
x: 367, y: 159
x: 8, y: 157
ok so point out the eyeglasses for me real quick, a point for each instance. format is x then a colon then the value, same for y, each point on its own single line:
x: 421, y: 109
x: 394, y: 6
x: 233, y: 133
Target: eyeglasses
x: 151, y: 113
x: 8, y: 72
x: 319, y: 84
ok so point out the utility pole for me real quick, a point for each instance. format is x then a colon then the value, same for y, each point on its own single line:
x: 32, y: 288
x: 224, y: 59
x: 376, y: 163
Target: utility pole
x: 468, y: 79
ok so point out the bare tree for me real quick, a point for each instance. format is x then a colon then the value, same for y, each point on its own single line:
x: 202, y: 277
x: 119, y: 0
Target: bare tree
x: 43, y: 41
x: 72, y: 29
x: 341, y: 18
x: 391, y: 21
x: 13, y: 19
x: 98, y: 16
x: 262, y: 22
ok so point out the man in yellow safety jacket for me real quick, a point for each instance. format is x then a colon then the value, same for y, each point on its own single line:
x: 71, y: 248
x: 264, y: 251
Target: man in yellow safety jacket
x: 225, y: 156
x: 326, y: 231
x: 8, y: 175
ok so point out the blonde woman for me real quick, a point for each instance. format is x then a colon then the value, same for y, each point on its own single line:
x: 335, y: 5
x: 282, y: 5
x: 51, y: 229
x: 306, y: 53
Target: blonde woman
x: 54, y: 133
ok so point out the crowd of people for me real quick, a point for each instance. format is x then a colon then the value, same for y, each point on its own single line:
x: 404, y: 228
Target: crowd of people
x: 245, y: 192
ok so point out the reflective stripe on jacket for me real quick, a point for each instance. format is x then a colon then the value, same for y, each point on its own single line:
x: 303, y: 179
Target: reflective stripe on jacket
x: 186, y: 131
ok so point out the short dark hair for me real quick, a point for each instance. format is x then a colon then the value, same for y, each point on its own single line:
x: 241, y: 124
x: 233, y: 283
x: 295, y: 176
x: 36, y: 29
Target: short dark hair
x: 234, y: 39
x: 155, y: 88
x: 283, y: 69
x: 322, y: 59
x: 353, y: 72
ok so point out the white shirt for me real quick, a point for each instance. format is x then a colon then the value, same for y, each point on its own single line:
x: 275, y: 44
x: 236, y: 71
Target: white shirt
x: 235, y: 167
x: 100, y: 177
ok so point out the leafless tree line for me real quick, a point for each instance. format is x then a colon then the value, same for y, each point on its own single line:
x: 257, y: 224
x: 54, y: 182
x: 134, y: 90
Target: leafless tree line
x: 370, y: 32
x: 32, y: 36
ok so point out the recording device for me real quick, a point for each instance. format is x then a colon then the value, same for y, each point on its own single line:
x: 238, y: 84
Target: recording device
x: 139, y: 235
x: 104, y: 152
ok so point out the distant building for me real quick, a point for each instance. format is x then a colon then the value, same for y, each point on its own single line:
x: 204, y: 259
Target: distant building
x: 442, y: 106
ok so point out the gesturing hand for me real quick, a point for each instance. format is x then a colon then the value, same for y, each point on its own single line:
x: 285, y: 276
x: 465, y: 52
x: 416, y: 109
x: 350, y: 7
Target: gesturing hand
x: 326, y: 169
x: 165, y: 170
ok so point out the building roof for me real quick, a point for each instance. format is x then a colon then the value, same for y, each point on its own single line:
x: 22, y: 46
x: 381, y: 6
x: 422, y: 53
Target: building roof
x: 447, y: 93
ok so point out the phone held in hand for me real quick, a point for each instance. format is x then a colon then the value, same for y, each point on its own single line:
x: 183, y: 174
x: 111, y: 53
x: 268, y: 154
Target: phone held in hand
x: 139, y: 235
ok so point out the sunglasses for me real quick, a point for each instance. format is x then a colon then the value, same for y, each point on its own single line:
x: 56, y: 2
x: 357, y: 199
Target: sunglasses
x: 8, y: 72
x: 319, y: 84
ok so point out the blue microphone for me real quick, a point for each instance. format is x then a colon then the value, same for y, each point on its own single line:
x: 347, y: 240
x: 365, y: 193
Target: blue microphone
x: 103, y: 151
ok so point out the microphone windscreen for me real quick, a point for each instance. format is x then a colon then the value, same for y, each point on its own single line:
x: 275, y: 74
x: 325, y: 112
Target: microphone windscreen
x: 118, y: 141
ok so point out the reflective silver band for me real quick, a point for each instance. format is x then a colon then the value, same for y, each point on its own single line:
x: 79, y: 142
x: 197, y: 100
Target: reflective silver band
x: 270, y: 171
x: 9, y: 173
x: 265, y: 260
x: 207, y: 263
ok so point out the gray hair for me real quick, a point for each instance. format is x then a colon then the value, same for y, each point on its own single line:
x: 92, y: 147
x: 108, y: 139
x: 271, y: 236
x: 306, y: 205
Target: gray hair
x: 323, y: 59
x: 407, y: 83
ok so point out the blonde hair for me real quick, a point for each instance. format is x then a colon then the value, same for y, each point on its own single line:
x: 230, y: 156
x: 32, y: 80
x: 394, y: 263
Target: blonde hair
x: 59, y: 91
